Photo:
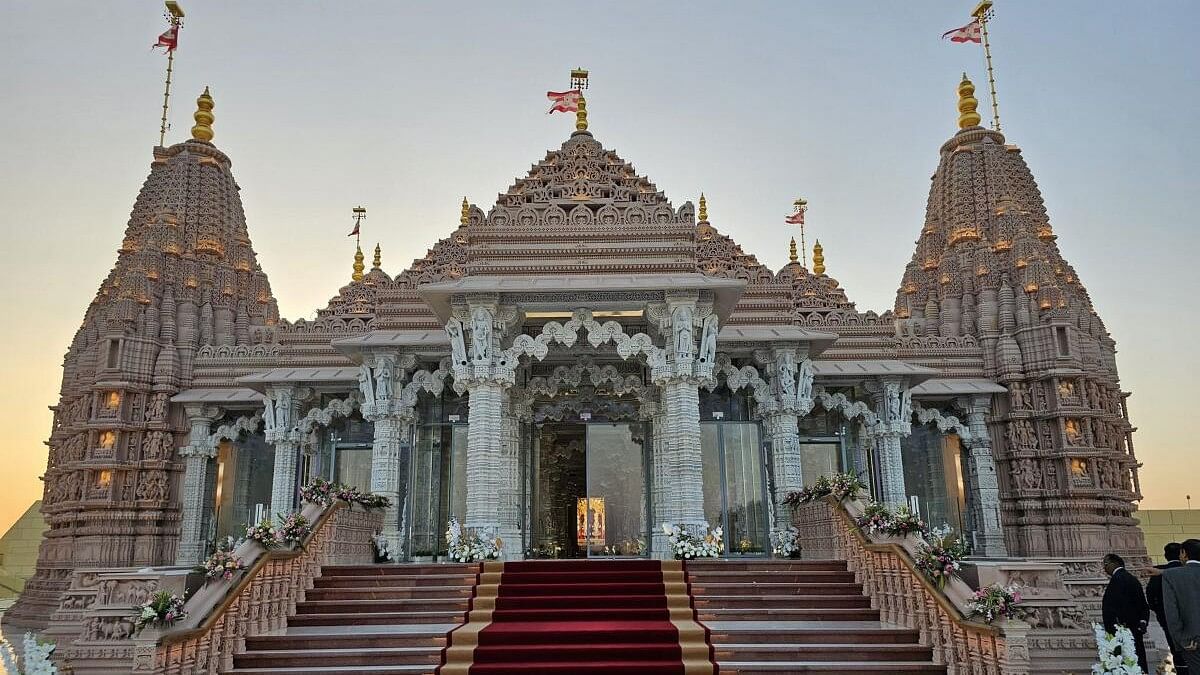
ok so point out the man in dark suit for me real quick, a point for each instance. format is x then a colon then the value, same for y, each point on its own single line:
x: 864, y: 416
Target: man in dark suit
x: 1125, y: 604
x: 1181, y: 600
x: 1154, y: 597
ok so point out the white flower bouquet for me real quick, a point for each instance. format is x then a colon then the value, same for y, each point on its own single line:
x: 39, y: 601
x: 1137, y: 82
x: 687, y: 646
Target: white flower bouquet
x: 687, y: 545
x: 786, y: 543
x: 470, y: 546
x: 1116, y: 652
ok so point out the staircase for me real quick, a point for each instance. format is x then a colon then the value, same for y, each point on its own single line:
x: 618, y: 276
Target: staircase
x: 779, y: 616
x: 367, y: 619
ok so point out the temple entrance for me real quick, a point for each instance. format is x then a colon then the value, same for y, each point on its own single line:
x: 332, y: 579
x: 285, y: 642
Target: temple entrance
x: 589, y: 495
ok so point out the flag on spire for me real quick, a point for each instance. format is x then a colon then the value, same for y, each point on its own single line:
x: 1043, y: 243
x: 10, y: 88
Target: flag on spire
x: 972, y: 32
x: 354, y: 232
x: 796, y: 218
x: 169, y: 39
x: 563, y: 101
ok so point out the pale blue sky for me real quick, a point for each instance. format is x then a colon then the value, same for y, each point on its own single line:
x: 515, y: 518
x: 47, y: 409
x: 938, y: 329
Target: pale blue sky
x: 406, y: 107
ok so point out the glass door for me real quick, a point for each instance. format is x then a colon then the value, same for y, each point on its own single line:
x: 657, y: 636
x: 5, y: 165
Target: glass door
x: 437, y: 487
x: 735, y: 493
x: 612, y: 517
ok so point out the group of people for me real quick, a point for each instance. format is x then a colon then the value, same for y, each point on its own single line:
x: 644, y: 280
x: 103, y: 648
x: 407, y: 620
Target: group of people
x: 1173, y: 593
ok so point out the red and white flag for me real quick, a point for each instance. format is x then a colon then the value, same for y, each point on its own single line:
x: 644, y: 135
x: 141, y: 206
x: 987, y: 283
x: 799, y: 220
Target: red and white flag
x: 971, y: 32
x: 354, y: 232
x: 563, y: 101
x: 796, y: 218
x: 169, y: 39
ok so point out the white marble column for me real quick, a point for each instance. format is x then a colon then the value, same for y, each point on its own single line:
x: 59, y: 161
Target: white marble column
x: 652, y: 412
x: 683, y: 495
x: 509, y: 519
x: 983, y: 498
x: 279, y: 420
x: 484, y: 431
x: 783, y: 428
x: 196, y: 454
x: 893, y: 407
x: 390, y: 431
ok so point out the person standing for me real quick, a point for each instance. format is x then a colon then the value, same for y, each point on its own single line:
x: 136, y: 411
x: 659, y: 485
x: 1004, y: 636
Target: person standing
x: 1154, y: 597
x: 1181, y: 600
x: 1124, y: 604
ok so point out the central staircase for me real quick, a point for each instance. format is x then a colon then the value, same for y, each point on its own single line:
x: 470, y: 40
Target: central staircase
x: 762, y: 616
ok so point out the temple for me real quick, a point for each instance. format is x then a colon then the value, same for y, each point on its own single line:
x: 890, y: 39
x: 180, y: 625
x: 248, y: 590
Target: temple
x: 578, y: 362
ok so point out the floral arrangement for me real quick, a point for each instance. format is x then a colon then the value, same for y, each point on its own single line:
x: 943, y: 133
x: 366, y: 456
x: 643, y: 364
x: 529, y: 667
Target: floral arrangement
x: 263, y: 533
x: 37, y: 657
x: 1116, y: 652
x: 470, y: 546
x: 940, y: 556
x: 903, y: 523
x: 686, y: 545
x: 323, y: 492
x: 549, y: 550
x: 992, y: 602
x: 382, y: 547
x: 222, y: 565
x: 840, y: 485
x: 163, y: 608
x: 293, y: 529
x: 875, y: 518
x: 786, y: 543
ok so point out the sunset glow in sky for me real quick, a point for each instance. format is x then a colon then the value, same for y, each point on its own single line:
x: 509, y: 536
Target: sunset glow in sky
x: 405, y: 109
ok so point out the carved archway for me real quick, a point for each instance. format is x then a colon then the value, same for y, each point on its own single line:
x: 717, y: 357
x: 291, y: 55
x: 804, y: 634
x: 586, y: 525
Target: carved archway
x: 944, y: 423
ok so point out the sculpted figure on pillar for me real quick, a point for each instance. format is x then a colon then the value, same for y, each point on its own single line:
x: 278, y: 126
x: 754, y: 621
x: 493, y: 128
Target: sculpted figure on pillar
x: 708, y: 340
x: 681, y: 323
x: 366, y: 385
x: 481, y: 334
x: 458, y: 348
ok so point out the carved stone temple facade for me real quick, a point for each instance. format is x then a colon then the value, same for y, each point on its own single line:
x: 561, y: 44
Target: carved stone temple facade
x: 579, y: 362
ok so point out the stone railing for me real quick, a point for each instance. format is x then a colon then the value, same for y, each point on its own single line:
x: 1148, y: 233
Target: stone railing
x: 904, y: 597
x: 222, y: 615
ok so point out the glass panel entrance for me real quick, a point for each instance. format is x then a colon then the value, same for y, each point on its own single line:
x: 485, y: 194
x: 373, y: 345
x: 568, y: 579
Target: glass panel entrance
x: 589, y: 491
x: 438, y: 487
x: 735, y: 495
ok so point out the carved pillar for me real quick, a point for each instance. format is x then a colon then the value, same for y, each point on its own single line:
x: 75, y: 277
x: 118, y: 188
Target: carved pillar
x: 381, y: 385
x: 516, y: 409
x: 791, y: 377
x: 893, y: 406
x: 858, y: 453
x: 196, y: 454
x: 652, y: 411
x: 983, y: 498
x: 786, y: 474
x: 280, y: 417
x: 483, y: 455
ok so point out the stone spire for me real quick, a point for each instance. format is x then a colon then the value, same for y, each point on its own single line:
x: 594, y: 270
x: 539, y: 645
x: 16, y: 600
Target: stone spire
x: 358, y: 264
x: 793, y: 255
x: 818, y: 259
x: 186, y: 277
x: 203, y: 130
x: 987, y: 247
x: 703, y: 215
x: 377, y: 263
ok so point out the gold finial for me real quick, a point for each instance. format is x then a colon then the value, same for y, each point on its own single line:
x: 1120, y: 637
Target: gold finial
x: 581, y: 115
x: 967, y: 103
x: 378, y: 261
x: 818, y: 259
x: 466, y: 213
x: 703, y: 208
x: 358, y: 264
x: 203, y: 130
x: 792, y: 255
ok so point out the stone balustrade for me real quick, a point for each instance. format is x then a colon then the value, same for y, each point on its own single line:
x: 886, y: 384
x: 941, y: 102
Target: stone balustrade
x: 905, y: 597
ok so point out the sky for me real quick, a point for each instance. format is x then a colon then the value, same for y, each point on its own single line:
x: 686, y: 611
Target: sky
x: 406, y: 107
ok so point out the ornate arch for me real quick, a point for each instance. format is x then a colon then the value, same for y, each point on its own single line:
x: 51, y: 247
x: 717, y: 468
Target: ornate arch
x: 230, y: 432
x: 849, y: 409
x: 338, y: 407
x: 566, y: 334
x: 944, y: 422
x: 738, y: 378
x: 597, y: 375
x: 425, y: 381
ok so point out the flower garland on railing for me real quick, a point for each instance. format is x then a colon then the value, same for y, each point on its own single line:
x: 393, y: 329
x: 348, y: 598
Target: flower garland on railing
x: 879, y: 519
x: 263, y: 533
x: 37, y: 657
x: 469, y: 546
x: 686, y: 545
x: 1116, y: 652
x: 992, y: 602
x: 222, y: 565
x: 786, y: 543
x: 293, y: 529
x: 840, y: 485
x: 163, y: 608
x: 323, y: 492
x: 939, y: 555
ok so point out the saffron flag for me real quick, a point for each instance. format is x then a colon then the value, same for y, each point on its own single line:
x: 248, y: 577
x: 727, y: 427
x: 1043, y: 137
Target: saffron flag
x: 796, y: 218
x: 563, y: 101
x: 971, y: 32
x: 169, y: 39
x: 354, y: 232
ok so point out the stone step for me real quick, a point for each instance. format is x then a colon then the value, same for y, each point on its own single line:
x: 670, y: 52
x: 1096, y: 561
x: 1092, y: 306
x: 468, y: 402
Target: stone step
x: 393, y: 581
x: 389, y: 593
x: 823, y: 652
x: 373, y: 606
x: 380, y: 656
x: 773, y: 588
x: 421, y: 669
x: 827, y: 667
x: 345, y: 641
x: 789, y: 614
x: 805, y: 636
x: 376, y: 618
x: 401, y: 569
x: 750, y: 577
x: 766, y: 565
x: 703, y: 602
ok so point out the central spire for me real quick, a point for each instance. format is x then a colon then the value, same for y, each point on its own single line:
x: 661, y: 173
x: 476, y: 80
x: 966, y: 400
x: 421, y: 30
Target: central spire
x: 967, y: 103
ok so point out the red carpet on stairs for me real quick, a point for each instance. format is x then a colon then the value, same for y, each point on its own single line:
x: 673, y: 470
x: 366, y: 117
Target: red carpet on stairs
x: 580, y: 617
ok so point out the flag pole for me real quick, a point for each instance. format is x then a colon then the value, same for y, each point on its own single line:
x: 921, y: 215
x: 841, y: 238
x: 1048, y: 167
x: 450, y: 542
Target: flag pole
x: 801, y: 205
x: 175, y: 18
x: 983, y: 13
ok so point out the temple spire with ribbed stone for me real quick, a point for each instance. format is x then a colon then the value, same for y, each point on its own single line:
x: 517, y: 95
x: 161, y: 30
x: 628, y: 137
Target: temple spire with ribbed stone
x: 203, y: 130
